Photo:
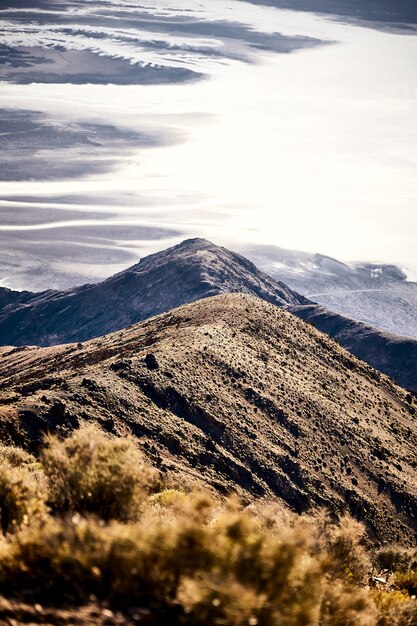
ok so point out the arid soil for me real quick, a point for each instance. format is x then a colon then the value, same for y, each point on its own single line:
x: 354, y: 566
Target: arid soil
x: 17, y: 613
x: 239, y: 394
x: 391, y: 354
x: 192, y: 270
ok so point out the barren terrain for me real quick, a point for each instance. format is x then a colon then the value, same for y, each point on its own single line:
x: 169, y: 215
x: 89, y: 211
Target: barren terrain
x: 237, y: 393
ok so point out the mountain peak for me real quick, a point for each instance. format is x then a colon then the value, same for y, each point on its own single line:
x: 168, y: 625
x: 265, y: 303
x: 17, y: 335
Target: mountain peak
x: 192, y: 270
x: 195, y: 242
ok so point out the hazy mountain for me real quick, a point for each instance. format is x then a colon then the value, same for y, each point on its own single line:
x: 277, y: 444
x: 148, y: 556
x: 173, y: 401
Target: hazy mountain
x: 241, y: 394
x: 192, y: 270
x: 10, y: 297
x: 377, y: 294
x: 371, y: 12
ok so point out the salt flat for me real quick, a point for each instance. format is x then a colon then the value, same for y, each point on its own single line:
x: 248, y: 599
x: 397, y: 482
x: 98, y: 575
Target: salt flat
x: 248, y: 124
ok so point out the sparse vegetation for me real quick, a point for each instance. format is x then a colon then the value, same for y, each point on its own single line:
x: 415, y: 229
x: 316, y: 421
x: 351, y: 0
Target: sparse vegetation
x: 90, y: 473
x: 22, y: 497
x: 94, y: 523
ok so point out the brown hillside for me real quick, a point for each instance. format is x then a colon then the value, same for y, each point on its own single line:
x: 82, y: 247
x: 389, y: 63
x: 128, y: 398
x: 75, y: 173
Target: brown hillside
x: 241, y: 394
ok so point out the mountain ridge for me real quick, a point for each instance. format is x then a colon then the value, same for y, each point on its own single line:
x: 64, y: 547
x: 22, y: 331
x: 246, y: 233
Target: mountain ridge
x: 378, y: 294
x: 192, y: 270
x: 238, y: 393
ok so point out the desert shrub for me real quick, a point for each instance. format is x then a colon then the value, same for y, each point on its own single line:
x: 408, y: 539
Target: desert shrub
x: 207, y: 601
x: 393, y: 559
x: 169, y: 498
x: 22, y: 497
x: 16, y: 457
x: 395, y: 609
x: 348, y: 556
x: 405, y: 614
x: 71, y: 559
x: 119, y: 535
x: 407, y: 581
x: 347, y: 606
x: 197, y: 506
x: 218, y: 564
x: 57, y: 561
x: 89, y: 472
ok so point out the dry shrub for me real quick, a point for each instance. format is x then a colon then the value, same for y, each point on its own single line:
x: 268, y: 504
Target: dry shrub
x: 347, y: 606
x: 57, y: 561
x: 344, y: 543
x: 405, y: 614
x: 71, y: 559
x: 16, y: 457
x: 197, y: 506
x: 395, y: 609
x: 407, y: 581
x: 89, y: 472
x: 188, y: 557
x: 231, y: 571
x: 394, y: 559
x: 207, y: 601
x: 22, y: 497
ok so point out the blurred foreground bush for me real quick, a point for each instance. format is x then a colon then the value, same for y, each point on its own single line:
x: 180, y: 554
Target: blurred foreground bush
x: 95, y: 523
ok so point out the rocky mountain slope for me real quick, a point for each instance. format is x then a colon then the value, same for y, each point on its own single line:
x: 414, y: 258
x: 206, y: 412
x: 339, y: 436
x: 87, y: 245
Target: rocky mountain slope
x: 190, y: 271
x: 238, y: 393
x: 193, y: 270
x: 392, y: 354
x: 10, y: 297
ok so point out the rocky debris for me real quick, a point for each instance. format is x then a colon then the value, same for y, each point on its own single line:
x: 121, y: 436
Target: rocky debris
x: 395, y: 356
x: 241, y: 395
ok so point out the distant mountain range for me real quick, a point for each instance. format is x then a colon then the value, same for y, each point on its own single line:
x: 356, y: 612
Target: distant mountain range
x: 190, y: 271
x: 371, y: 12
x: 239, y: 394
x: 377, y: 294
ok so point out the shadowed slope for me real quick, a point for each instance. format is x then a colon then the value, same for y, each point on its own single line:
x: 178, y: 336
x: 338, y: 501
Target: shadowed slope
x: 240, y: 394
x: 190, y: 271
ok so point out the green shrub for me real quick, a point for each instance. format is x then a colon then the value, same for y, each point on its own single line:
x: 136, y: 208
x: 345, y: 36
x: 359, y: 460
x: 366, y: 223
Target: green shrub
x: 89, y: 472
